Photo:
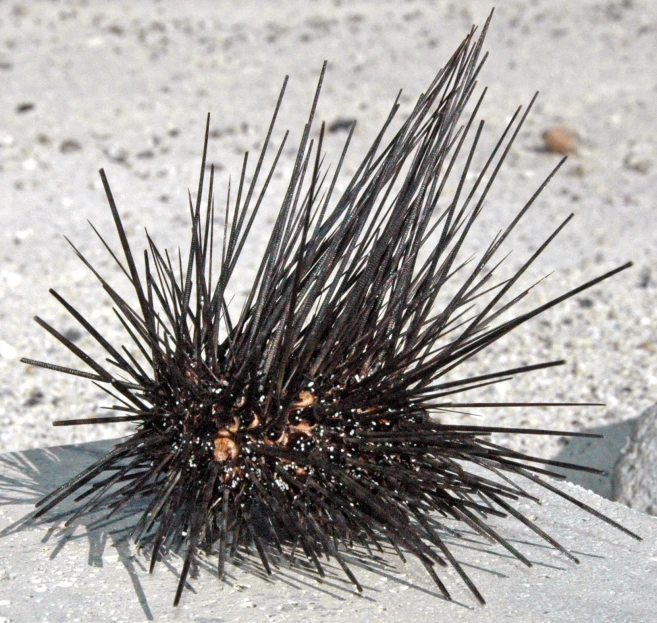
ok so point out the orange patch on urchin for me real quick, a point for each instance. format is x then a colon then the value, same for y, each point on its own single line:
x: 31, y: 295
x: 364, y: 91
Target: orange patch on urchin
x: 225, y: 449
x: 306, y: 399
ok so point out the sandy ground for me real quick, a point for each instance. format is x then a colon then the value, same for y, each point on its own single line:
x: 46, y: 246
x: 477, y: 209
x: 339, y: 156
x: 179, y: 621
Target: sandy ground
x: 127, y: 85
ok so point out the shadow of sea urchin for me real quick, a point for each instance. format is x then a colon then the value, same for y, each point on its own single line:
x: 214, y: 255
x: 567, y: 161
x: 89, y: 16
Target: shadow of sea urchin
x: 306, y: 422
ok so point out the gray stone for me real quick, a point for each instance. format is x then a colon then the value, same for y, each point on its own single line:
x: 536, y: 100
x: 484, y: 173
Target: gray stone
x: 635, y: 474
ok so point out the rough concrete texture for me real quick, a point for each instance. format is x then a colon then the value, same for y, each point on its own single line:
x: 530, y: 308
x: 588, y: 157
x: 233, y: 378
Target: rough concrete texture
x: 635, y: 474
x: 81, y: 575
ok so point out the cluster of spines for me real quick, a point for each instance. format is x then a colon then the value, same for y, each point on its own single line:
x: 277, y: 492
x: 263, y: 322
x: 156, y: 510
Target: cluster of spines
x: 307, y: 422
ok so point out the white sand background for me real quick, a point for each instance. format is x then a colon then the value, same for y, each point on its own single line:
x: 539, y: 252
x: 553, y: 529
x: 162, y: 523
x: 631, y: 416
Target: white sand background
x: 127, y: 85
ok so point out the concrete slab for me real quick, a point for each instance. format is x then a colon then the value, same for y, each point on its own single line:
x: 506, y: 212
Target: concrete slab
x: 82, y: 575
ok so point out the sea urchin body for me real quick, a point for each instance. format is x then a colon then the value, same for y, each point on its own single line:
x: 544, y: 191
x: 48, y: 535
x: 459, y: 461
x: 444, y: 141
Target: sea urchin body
x: 307, y: 421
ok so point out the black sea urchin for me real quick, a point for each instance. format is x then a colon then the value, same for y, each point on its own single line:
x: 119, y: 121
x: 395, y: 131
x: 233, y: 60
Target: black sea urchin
x: 305, y: 423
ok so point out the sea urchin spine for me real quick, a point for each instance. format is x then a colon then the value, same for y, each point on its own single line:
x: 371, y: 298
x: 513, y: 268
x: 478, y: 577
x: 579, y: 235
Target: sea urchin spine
x: 307, y: 421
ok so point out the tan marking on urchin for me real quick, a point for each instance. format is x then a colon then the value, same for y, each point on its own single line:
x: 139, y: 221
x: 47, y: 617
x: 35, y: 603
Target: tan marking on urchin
x: 304, y: 427
x: 283, y: 439
x: 306, y: 399
x: 225, y: 449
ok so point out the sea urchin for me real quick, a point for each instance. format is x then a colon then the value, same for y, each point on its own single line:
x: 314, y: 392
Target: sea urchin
x: 307, y: 421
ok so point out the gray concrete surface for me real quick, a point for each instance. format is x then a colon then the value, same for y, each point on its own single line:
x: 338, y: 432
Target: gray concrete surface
x: 81, y: 575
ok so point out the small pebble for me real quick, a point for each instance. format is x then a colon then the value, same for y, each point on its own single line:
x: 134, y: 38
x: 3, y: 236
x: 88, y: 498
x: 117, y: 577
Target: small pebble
x: 560, y: 140
x: 24, y: 107
x: 640, y: 158
x: 340, y: 125
x: 69, y: 146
